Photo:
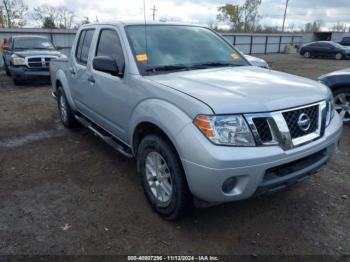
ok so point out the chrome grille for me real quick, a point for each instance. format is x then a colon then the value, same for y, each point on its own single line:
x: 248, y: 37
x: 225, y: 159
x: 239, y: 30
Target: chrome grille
x: 263, y: 129
x: 291, y: 118
x: 38, y: 62
x: 284, y: 127
x: 34, y: 62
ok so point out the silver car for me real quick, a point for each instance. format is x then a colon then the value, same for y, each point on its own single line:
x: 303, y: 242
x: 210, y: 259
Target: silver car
x: 204, y: 126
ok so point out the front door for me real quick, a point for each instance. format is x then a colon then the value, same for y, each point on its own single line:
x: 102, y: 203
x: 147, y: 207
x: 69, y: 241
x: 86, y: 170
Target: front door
x: 109, y: 94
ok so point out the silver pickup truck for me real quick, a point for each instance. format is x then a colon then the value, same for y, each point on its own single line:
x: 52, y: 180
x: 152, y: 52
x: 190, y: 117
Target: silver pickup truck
x: 204, y: 125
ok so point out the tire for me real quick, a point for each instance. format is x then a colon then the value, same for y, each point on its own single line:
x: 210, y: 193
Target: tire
x: 342, y: 103
x: 168, y: 172
x: 307, y: 54
x: 17, y: 81
x: 64, y: 109
x: 339, y: 56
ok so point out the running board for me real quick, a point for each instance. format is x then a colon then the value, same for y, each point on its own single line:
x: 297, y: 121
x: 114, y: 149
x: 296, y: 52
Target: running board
x: 99, y: 132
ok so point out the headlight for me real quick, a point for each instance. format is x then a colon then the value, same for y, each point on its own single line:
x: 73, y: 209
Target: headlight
x: 330, y: 110
x: 230, y: 130
x: 17, y: 60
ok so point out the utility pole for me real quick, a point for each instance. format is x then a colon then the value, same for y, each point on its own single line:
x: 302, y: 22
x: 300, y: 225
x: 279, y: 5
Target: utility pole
x: 154, y: 12
x: 285, y: 14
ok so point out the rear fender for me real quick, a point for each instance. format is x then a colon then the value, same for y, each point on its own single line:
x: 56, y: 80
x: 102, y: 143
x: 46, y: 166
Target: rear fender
x: 61, y: 80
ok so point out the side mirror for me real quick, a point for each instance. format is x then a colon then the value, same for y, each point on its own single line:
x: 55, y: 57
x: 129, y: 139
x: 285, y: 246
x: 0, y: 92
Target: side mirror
x: 106, y: 64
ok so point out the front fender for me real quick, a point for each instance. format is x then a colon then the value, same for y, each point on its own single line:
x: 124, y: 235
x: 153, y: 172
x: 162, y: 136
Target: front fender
x: 163, y: 114
x: 62, y: 78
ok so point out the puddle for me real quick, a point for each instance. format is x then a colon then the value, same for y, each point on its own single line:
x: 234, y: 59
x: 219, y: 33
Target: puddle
x: 30, y: 138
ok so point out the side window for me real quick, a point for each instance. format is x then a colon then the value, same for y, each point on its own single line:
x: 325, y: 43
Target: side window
x: 324, y: 45
x: 79, y: 45
x: 84, y: 45
x: 109, y: 45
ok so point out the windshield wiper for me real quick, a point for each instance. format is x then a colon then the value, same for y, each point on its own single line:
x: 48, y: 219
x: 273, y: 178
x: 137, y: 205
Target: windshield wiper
x: 214, y: 64
x: 167, y: 68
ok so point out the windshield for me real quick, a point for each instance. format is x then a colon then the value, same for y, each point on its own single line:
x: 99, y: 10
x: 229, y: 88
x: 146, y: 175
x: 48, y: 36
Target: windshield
x: 337, y: 45
x: 176, y: 47
x: 32, y: 43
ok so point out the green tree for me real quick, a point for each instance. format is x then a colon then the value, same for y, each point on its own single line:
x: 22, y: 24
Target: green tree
x: 61, y: 16
x: 2, y: 18
x: 48, y: 23
x: 251, y: 15
x: 232, y: 14
x: 243, y: 18
x: 14, y: 12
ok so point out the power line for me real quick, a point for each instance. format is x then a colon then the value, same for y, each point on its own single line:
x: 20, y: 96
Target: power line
x: 154, y: 10
x: 285, y: 14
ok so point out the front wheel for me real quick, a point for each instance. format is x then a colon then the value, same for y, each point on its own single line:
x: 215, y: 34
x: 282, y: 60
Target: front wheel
x: 163, y: 178
x: 339, y: 56
x: 342, y: 103
x: 64, y: 109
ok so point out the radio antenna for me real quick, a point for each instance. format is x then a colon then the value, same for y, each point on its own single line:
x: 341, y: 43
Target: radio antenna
x: 144, y: 17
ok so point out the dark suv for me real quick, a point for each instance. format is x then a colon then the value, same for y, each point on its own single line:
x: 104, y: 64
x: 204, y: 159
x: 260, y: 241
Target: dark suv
x: 345, y: 41
x: 28, y: 57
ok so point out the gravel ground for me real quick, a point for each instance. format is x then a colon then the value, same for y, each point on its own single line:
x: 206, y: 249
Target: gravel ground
x: 66, y: 192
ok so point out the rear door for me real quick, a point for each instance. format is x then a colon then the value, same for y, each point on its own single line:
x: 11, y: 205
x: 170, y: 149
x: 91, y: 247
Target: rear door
x: 109, y: 94
x: 79, y: 71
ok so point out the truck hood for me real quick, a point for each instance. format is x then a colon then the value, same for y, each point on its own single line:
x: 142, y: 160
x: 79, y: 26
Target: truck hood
x: 244, y: 89
x: 36, y: 52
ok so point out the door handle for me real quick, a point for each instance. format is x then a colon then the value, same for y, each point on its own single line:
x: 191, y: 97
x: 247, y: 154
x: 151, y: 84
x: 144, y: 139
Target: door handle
x: 72, y: 70
x: 91, y: 79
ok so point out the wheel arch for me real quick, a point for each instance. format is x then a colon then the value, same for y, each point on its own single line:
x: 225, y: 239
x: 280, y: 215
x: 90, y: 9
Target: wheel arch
x: 62, y: 81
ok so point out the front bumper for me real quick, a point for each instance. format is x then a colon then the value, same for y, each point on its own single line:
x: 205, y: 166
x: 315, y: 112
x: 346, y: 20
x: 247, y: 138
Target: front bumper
x: 24, y: 73
x: 208, y: 166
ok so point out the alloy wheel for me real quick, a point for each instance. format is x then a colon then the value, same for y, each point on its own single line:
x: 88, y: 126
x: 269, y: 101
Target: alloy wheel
x: 338, y: 56
x: 159, y: 178
x: 342, y: 106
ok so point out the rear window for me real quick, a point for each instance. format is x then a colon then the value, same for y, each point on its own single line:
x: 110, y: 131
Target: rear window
x: 84, y: 44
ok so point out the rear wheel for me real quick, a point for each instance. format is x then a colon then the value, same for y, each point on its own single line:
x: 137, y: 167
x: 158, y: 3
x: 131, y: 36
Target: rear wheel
x: 64, y: 109
x: 342, y: 103
x: 163, y: 178
x: 339, y: 56
x: 307, y: 54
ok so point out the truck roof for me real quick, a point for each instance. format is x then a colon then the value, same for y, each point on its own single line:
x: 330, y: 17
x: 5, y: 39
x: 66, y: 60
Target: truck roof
x: 31, y: 36
x: 126, y: 23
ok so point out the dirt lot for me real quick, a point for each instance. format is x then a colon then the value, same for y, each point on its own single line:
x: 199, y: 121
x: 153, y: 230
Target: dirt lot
x: 66, y: 192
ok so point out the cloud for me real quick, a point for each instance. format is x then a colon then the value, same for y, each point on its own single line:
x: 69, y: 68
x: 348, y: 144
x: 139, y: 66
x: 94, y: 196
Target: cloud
x: 299, y: 13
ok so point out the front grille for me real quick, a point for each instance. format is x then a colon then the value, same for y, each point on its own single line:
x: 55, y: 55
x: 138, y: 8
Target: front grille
x: 295, y: 166
x: 292, y: 118
x: 36, y: 62
x: 263, y: 128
